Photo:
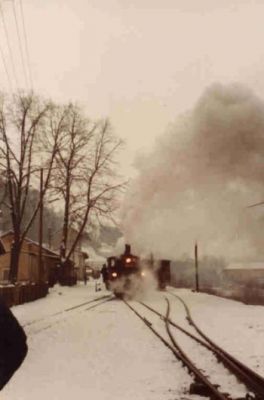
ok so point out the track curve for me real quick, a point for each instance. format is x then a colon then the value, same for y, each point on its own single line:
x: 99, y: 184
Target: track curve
x: 250, y: 378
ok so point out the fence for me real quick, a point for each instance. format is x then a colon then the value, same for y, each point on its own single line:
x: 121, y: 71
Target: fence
x: 19, y: 294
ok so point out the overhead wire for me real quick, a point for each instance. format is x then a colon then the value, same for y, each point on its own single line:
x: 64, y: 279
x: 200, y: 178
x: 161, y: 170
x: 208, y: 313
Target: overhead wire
x: 20, y: 44
x: 8, y: 45
x: 6, y: 70
x: 256, y: 204
x: 23, y: 48
x: 26, y: 43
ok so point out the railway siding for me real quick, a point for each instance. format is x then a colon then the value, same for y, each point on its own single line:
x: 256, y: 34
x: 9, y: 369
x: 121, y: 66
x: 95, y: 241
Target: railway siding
x: 237, y: 327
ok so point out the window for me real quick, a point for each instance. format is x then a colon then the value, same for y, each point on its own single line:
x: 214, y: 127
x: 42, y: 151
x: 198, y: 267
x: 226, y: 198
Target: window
x: 2, y: 249
x: 5, y: 274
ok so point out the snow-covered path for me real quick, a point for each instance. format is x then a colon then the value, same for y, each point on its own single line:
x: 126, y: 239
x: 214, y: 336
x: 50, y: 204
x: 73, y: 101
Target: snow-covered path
x: 107, y: 353
x: 102, y: 354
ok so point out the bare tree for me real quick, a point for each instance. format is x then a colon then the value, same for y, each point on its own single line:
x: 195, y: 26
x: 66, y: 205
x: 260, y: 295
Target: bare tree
x: 24, y: 120
x: 101, y: 182
x: 85, y: 179
x: 72, y: 145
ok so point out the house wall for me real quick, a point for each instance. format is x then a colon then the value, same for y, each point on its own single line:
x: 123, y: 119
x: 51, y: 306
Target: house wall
x: 7, y: 241
x: 245, y: 275
x: 28, y: 267
x: 4, y: 266
x: 24, y: 268
x: 28, y: 262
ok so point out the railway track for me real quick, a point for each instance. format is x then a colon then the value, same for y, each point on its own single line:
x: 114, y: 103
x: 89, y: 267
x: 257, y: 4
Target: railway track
x: 67, y: 309
x: 202, y: 385
x: 99, y: 301
x: 252, y: 380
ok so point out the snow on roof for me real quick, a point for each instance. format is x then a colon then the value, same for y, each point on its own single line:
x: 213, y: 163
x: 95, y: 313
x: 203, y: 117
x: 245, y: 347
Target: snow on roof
x: 246, y: 265
x: 27, y: 239
x: 105, y: 250
x: 6, y: 233
x: 105, y: 247
x: 93, y: 256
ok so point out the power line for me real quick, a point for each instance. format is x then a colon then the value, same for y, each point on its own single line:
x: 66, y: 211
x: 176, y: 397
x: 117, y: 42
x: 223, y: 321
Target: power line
x: 20, y: 43
x: 6, y: 69
x: 256, y: 204
x: 8, y: 44
x: 26, y: 43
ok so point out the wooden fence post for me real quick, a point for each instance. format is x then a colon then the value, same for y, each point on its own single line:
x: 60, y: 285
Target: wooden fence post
x: 196, y: 267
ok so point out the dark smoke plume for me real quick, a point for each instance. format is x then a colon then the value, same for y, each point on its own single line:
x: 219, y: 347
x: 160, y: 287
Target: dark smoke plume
x: 199, y: 180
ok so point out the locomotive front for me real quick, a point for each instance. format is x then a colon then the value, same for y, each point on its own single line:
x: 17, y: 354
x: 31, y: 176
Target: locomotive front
x: 124, y: 273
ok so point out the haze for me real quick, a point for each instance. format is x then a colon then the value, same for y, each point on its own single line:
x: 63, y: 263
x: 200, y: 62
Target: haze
x: 139, y: 62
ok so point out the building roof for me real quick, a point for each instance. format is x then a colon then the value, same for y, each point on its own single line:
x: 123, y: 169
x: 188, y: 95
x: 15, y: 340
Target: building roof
x: 250, y: 266
x: 6, y: 233
x: 10, y: 232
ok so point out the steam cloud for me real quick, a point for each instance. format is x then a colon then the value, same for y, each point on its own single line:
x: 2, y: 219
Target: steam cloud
x: 199, y: 180
x: 139, y: 288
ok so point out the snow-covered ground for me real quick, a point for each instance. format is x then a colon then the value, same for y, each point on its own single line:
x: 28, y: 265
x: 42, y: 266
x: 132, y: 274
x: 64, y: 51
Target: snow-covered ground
x: 238, y: 327
x: 222, y: 320
x: 107, y: 353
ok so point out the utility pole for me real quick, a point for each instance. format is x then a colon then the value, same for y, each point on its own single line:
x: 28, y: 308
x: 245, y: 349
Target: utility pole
x: 49, y: 237
x: 1, y: 220
x: 196, y: 267
x: 41, y: 226
x: 151, y: 261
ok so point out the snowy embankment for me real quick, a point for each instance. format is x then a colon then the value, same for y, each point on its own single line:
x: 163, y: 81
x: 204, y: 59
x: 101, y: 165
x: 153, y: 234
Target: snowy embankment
x: 222, y: 320
x: 106, y: 353
x: 237, y: 327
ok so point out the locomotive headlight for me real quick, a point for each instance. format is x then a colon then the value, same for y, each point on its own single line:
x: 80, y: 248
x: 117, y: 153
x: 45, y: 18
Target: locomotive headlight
x: 114, y: 274
x: 128, y: 260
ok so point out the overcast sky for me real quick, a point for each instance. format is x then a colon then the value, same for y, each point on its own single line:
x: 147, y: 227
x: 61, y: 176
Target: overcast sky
x: 140, y: 62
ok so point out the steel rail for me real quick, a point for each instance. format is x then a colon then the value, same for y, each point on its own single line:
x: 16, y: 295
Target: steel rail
x: 66, y: 310
x: 180, y: 328
x: 57, y: 322
x: 109, y: 297
x: 251, y: 379
x: 199, y: 376
x: 248, y: 381
x: 180, y: 355
x: 149, y: 325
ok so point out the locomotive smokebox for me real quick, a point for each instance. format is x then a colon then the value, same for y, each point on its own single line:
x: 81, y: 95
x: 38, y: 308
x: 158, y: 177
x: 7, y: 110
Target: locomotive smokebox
x: 127, y: 249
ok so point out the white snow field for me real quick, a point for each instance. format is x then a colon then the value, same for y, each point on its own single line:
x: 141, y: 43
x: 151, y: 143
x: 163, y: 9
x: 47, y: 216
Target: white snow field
x: 107, y: 353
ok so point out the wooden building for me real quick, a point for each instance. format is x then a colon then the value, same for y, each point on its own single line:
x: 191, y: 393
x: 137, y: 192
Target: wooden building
x: 84, y: 258
x: 28, y: 269
x: 78, y: 256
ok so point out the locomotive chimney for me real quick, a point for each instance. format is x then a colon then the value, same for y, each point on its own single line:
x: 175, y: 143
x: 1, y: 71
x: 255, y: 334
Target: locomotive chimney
x: 127, y: 249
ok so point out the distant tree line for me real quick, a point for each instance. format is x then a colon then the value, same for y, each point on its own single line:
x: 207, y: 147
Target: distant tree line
x: 52, y: 218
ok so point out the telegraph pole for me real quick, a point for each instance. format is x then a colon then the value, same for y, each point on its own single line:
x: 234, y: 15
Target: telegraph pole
x: 49, y: 237
x: 41, y: 226
x: 1, y: 220
x: 196, y: 267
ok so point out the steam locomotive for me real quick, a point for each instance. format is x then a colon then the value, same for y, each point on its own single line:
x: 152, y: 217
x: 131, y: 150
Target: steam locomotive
x: 127, y: 274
